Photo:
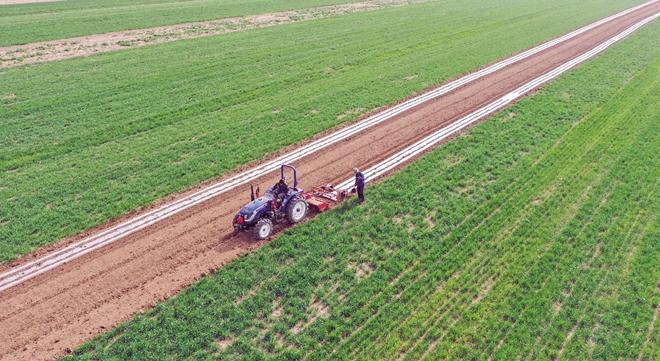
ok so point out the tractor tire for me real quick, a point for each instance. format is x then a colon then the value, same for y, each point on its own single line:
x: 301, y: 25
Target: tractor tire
x: 263, y: 229
x: 296, y: 210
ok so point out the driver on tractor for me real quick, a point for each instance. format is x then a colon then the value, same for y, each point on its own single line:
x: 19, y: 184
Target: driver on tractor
x: 280, y: 189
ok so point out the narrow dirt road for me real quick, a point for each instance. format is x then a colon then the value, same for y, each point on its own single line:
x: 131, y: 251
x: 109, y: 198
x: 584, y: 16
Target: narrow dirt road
x: 51, y: 313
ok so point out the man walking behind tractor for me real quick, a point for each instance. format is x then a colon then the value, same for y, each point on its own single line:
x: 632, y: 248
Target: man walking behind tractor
x: 359, y: 185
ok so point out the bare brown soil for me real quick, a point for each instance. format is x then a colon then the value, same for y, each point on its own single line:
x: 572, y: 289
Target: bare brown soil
x: 41, y: 52
x: 58, y: 310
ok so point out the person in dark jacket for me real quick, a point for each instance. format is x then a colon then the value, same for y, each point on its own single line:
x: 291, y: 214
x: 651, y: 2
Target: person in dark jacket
x: 359, y: 184
x: 280, y: 189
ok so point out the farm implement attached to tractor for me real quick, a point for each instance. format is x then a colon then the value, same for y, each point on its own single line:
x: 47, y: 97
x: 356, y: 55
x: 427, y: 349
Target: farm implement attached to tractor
x: 282, y: 203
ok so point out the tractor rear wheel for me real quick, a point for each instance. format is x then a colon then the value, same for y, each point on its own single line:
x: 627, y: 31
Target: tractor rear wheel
x: 263, y: 229
x: 296, y: 210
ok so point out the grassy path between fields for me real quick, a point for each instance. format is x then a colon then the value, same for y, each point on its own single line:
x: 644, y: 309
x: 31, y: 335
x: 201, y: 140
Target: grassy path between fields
x: 55, y: 50
x: 29, y: 23
x: 534, y: 236
x: 86, y: 140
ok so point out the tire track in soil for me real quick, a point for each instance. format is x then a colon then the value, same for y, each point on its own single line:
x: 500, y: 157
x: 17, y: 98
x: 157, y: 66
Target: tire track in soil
x: 56, y: 311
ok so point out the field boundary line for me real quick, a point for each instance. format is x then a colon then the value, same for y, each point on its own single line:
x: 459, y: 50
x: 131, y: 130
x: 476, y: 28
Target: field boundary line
x: 31, y: 269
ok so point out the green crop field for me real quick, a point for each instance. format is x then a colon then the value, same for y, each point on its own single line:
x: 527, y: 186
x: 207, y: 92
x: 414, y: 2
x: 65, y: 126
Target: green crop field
x: 534, y: 236
x: 85, y: 140
x: 26, y: 23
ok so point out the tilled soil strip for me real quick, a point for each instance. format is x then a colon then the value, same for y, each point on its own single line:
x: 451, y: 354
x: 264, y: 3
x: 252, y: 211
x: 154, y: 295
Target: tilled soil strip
x: 58, y: 310
x: 431, y: 140
x: 41, y: 52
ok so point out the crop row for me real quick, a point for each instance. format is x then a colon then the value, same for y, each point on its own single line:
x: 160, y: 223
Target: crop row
x: 84, y: 141
x: 511, y: 238
x: 532, y: 237
x: 603, y: 192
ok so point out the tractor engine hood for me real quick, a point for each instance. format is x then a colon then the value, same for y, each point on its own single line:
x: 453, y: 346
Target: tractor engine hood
x: 252, y: 209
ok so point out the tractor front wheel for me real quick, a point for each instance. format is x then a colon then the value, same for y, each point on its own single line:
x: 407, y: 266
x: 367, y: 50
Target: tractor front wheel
x: 296, y: 210
x: 263, y: 229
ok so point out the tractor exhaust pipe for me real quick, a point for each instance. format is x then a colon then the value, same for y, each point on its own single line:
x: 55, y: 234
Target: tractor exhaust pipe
x: 251, y: 192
